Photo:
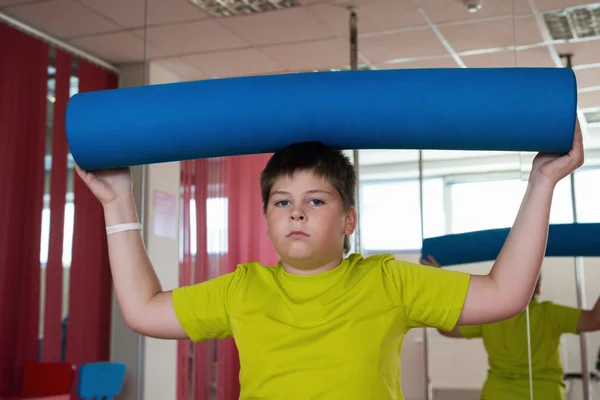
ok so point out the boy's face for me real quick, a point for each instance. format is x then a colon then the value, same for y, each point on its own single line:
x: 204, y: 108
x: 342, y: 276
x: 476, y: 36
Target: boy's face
x: 306, y: 220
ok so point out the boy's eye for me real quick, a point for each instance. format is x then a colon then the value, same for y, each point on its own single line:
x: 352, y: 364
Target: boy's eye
x: 317, y: 202
x: 282, y: 203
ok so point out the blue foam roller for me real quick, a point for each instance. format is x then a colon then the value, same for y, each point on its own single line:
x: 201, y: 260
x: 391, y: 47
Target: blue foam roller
x: 564, y: 240
x: 496, y: 109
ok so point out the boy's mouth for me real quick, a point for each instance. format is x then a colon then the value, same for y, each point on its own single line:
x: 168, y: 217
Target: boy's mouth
x: 297, y: 234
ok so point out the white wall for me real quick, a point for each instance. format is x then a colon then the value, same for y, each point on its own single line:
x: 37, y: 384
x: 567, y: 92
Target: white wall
x: 558, y: 285
x: 126, y: 345
x: 162, y: 228
x: 160, y: 356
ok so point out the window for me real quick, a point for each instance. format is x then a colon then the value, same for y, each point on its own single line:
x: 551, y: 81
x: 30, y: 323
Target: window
x: 68, y: 234
x: 67, y: 247
x: 45, y: 239
x: 216, y: 226
x: 390, y: 214
x: 587, y: 195
x: 494, y: 204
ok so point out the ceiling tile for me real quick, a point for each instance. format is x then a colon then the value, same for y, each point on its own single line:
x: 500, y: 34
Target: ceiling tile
x: 446, y: 62
x: 323, y: 54
x: 130, y: 13
x: 120, y: 47
x: 375, y: 16
x: 234, y: 63
x: 583, y: 52
x: 454, y: 10
x: 546, y: 5
x: 317, y: 2
x: 178, y: 66
x: 6, y: 3
x: 62, y: 18
x: 492, y: 34
x: 410, y: 44
x: 587, y: 77
x: 275, y: 27
x: 190, y: 37
x: 537, y: 57
x: 589, y: 99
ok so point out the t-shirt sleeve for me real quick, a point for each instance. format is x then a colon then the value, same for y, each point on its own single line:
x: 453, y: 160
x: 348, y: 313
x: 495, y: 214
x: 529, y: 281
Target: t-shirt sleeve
x: 563, y: 319
x: 470, y: 331
x: 431, y: 297
x: 202, y: 309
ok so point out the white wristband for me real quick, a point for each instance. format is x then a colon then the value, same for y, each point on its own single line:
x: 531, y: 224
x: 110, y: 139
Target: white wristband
x: 133, y: 226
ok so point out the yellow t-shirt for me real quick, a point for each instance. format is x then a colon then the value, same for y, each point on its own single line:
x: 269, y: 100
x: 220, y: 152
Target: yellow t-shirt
x: 506, y: 346
x: 333, y: 335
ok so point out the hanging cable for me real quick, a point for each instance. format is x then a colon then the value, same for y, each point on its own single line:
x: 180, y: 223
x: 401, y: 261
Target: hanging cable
x: 579, y: 279
x: 140, y: 339
x: 425, y: 336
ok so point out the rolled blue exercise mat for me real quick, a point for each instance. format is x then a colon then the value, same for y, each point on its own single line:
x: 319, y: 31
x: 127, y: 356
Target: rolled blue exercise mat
x: 564, y: 240
x: 503, y: 109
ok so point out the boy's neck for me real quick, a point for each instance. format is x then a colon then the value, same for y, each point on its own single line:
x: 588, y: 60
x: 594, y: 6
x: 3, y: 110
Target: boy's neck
x: 305, y: 270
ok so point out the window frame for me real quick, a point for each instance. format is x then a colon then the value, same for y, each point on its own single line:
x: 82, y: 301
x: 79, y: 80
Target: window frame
x: 448, y: 181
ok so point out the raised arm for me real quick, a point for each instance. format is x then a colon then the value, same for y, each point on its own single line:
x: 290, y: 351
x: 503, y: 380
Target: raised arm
x: 507, y: 289
x: 589, y: 321
x: 147, y: 309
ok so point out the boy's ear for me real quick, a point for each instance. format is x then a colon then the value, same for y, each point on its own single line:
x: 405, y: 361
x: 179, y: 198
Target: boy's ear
x: 351, y: 220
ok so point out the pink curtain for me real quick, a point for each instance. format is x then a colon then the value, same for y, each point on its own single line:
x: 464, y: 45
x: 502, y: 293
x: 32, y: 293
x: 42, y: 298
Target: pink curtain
x: 23, y: 90
x: 247, y: 241
x: 231, y: 186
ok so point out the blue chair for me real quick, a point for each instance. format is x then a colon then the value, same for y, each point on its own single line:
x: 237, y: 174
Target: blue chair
x: 100, y: 380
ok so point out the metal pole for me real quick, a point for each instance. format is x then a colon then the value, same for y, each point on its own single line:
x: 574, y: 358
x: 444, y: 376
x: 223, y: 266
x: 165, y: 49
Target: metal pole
x: 580, y: 284
x: 354, y: 67
x: 425, y: 337
x: 141, y: 341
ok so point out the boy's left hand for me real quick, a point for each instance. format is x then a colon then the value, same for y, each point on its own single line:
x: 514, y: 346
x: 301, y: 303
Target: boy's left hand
x: 430, y: 261
x: 554, y: 166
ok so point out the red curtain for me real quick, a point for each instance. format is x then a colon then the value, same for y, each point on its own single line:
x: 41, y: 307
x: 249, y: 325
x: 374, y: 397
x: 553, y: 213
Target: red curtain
x: 88, y: 331
x: 247, y: 241
x: 194, y: 359
x: 184, y: 365
x: 235, y: 179
x: 52, y: 344
x: 203, y: 352
x: 23, y: 90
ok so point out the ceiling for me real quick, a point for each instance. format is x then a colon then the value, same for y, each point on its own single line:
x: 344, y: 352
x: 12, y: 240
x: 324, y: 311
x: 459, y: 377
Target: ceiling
x: 184, y: 39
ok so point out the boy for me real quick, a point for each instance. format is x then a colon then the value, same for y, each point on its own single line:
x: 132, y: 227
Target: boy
x: 506, y: 345
x: 318, y: 325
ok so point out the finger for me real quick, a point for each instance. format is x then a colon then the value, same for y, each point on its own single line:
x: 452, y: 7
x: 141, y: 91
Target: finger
x: 82, y: 174
x: 576, y: 152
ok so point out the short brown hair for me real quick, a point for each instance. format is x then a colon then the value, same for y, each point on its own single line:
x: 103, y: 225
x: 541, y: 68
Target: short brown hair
x: 322, y: 160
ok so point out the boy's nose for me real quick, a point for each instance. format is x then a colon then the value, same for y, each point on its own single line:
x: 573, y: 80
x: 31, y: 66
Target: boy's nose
x: 297, y: 216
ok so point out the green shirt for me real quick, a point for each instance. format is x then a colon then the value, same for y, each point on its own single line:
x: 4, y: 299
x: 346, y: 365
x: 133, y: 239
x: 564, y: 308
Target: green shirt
x: 333, y: 335
x: 506, y: 346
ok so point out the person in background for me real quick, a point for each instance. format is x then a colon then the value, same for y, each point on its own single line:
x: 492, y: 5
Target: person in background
x: 506, y: 345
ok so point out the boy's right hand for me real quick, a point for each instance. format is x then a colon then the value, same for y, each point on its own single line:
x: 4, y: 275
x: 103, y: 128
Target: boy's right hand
x: 107, y: 185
